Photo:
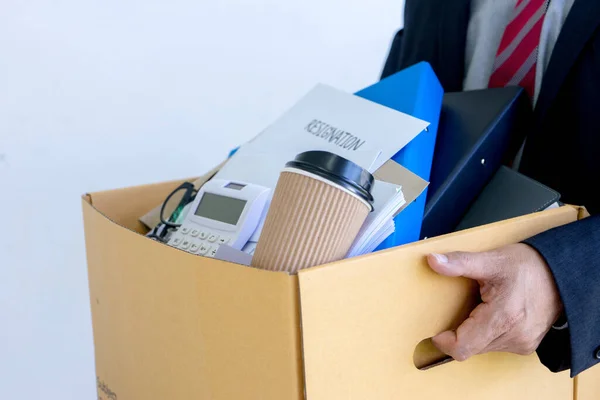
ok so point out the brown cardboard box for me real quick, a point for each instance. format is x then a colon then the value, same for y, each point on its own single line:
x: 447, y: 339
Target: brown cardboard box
x: 587, y: 385
x: 172, y: 325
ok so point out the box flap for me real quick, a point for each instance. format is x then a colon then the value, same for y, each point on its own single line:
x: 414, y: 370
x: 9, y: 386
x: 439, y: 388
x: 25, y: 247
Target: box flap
x: 364, y: 318
x: 124, y: 206
x: 172, y: 325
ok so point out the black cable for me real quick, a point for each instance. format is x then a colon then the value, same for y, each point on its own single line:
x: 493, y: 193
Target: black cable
x: 153, y: 234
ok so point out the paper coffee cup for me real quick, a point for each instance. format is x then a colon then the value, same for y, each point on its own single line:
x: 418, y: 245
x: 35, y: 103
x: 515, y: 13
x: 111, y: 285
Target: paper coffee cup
x: 320, y: 203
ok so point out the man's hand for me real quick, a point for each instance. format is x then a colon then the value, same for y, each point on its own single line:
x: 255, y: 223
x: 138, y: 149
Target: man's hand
x: 520, y: 301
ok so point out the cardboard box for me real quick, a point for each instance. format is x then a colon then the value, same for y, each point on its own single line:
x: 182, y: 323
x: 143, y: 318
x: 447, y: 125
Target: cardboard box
x: 172, y: 325
x: 587, y: 385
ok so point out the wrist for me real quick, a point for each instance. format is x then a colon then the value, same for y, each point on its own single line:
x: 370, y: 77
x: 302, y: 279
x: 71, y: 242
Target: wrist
x: 555, y: 309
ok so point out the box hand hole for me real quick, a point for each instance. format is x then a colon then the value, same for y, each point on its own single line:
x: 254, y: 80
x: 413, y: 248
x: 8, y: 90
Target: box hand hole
x: 427, y: 356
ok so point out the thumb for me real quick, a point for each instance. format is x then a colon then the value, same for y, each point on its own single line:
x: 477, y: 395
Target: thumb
x: 477, y: 266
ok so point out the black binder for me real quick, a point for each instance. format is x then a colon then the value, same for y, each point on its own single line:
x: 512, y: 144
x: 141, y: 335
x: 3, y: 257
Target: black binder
x: 509, y: 194
x: 479, y: 131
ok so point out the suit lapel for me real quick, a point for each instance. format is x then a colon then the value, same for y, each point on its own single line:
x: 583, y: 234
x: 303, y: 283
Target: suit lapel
x: 579, y: 27
x: 453, y: 25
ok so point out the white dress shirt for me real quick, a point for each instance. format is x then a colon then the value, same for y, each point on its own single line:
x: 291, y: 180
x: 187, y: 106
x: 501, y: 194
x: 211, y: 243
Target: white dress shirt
x: 489, y: 19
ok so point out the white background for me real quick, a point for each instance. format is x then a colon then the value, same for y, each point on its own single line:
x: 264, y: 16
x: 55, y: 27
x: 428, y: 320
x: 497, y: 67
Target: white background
x: 103, y: 94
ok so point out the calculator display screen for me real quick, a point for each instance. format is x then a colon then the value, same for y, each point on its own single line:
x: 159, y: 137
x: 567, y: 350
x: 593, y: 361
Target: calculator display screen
x: 220, y: 208
x: 235, y: 186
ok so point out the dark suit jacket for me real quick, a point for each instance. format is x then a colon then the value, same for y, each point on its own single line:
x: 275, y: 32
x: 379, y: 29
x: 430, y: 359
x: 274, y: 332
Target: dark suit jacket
x: 562, y: 151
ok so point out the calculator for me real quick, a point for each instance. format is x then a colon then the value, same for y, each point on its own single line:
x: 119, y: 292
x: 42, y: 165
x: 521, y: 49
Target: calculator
x: 223, y: 212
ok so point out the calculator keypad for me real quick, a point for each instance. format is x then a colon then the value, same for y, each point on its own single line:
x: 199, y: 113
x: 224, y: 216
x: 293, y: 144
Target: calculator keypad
x: 199, y: 242
x: 204, y: 248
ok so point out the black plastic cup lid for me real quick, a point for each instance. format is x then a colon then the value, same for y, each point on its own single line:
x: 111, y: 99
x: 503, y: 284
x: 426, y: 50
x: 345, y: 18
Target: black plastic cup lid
x: 338, y: 170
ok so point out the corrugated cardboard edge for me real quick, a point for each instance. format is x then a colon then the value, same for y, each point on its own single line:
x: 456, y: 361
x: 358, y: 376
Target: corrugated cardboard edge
x: 581, y: 213
x: 124, y: 207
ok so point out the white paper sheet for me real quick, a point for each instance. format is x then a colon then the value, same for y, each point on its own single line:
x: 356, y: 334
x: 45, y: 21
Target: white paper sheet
x: 228, y: 253
x: 389, y: 198
x: 326, y: 119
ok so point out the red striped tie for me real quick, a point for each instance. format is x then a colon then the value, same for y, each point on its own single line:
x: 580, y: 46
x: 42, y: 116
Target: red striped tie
x: 517, y: 55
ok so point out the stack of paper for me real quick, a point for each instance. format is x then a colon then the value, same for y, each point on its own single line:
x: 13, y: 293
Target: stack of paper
x: 389, y: 199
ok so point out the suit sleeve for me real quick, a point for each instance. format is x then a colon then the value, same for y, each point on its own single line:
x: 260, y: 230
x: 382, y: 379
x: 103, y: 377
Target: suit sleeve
x: 573, y: 254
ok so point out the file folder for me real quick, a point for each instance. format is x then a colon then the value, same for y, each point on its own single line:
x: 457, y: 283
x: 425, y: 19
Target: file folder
x: 415, y: 91
x: 479, y: 131
x: 509, y: 194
